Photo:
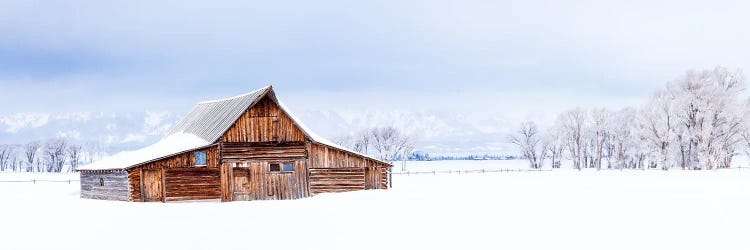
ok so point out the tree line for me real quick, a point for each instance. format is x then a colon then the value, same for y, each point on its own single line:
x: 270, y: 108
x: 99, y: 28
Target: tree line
x: 385, y: 143
x: 53, y: 155
x: 698, y: 121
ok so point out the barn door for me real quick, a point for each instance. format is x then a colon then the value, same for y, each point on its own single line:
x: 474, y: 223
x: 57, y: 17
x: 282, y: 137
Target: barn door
x: 372, y: 178
x: 152, y: 185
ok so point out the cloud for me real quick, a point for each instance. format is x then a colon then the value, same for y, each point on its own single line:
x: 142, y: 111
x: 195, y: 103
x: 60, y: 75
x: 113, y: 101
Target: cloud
x: 71, y: 134
x: 16, y: 122
x: 134, y: 138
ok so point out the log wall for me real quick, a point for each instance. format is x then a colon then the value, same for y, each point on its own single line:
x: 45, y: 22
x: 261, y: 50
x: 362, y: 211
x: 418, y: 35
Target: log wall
x: 264, y: 122
x: 105, y: 185
x: 182, y: 184
x: 327, y: 157
x: 326, y: 180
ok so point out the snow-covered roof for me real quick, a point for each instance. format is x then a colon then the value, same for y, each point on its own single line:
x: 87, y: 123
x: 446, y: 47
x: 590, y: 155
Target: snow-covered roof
x: 167, y: 146
x: 202, y: 127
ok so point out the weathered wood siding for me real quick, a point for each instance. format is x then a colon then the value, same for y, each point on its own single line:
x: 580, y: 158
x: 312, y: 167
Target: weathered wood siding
x: 326, y: 180
x: 243, y: 151
x: 182, y: 184
x: 373, y: 174
x: 376, y: 178
x: 152, y: 187
x: 254, y: 181
x: 105, y: 185
x: 323, y: 156
x: 183, y: 160
x: 264, y: 122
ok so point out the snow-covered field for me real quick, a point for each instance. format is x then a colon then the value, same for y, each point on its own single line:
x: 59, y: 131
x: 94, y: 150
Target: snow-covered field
x: 560, y: 209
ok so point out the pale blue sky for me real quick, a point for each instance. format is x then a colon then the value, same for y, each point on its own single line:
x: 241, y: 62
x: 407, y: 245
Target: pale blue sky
x: 486, y: 56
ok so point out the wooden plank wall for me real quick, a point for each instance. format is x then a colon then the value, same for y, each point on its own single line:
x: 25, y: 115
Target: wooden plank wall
x: 243, y: 151
x: 254, y: 181
x: 186, y: 159
x: 325, y: 180
x: 152, y: 188
x: 323, y: 156
x: 115, y: 185
x: 182, y: 184
x: 326, y: 157
x: 264, y: 122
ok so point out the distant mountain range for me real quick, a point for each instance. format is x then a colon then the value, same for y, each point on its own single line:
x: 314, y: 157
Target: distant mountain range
x: 439, y: 133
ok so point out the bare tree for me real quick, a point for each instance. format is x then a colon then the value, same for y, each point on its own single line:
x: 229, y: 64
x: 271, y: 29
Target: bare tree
x: 92, y: 151
x: 599, y: 135
x: 30, y: 154
x: 55, y: 154
x: 358, y: 142
x: 74, y: 156
x: 555, y: 146
x: 389, y: 143
x: 572, y: 123
x: 6, y: 151
x: 530, y: 143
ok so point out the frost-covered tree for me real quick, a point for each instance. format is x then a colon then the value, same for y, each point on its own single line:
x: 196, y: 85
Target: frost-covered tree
x: 572, y: 124
x: 695, y: 122
x: 708, y: 117
x: 6, y: 152
x: 555, y: 145
x: 598, y: 133
x: 389, y: 143
x: 359, y: 142
x: 55, y: 151
x: 74, y: 156
x: 30, y: 154
x: 530, y: 144
x: 658, y: 123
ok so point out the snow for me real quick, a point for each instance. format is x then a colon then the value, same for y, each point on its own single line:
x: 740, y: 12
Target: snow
x: 170, y: 145
x: 559, y: 209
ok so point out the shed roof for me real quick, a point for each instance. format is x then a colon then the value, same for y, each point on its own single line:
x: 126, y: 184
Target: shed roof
x: 202, y: 127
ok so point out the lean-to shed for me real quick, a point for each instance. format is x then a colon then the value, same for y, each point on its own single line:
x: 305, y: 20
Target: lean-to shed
x: 248, y: 147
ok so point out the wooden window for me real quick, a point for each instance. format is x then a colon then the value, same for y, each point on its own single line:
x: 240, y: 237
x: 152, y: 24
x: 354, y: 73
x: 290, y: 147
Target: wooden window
x: 288, y: 167
x: 200, y: 158
x: 274, y: 167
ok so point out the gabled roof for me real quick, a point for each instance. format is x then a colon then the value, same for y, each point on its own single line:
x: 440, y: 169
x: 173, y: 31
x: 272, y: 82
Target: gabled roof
x: 203, y: 127
x: 209, y: 120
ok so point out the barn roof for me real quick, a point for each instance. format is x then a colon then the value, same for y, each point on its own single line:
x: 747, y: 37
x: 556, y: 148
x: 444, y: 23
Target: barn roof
x: 203, y: 127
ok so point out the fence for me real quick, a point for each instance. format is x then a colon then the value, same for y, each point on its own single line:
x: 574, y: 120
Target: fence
x: 34, y: 181
x: 470, y: 171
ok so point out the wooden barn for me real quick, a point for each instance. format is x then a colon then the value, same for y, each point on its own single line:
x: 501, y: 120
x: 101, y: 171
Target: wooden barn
x: 248, y: 147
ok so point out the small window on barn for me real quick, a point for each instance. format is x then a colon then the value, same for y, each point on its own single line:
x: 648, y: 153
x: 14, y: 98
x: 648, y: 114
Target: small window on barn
x: 274, y: 167
x: 101, y: 182
x: 288, y: 167
x: 200, y: 158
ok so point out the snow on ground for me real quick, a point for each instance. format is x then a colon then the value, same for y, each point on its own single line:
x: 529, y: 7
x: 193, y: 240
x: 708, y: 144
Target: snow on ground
x: 560, y: 209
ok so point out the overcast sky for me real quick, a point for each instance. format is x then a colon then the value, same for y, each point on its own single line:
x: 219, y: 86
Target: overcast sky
x: 487, y: 56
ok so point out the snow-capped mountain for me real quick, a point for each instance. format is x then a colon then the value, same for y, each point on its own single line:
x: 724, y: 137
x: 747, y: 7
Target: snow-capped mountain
x: 444, y: 133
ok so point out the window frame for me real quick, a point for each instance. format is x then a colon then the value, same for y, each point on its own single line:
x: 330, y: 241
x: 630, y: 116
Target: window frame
x: 205, y: 158
x: 281, y: 167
